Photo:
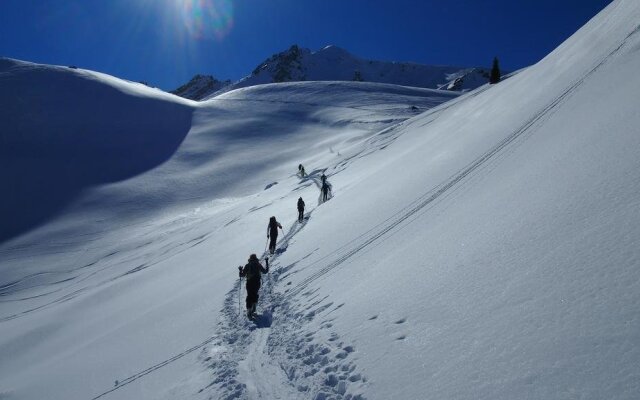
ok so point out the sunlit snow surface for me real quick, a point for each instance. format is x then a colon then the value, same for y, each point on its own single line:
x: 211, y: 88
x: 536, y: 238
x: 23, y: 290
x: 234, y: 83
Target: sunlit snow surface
x: 480, y: 247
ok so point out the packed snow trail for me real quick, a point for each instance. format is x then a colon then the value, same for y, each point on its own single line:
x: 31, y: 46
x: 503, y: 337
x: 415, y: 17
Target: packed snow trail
x: 272, y: 357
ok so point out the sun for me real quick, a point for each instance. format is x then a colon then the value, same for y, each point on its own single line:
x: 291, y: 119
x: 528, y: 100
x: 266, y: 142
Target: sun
x: 207, y: 19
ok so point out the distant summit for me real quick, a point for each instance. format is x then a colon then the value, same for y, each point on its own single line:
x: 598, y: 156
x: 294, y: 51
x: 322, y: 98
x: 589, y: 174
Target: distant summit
x: 333, y: 63
x: 200, y: 86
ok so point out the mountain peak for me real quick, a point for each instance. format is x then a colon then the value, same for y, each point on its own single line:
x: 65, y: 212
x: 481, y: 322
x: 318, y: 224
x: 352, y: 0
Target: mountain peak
x: 333, y: 63
x: 200, y: 86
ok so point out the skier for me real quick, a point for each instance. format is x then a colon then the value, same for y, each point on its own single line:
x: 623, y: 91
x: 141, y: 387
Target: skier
x: 272, y: 232
x: 301, y: 171
x: 300, y: 209
x: 253, y: 271
x: 325, y: 190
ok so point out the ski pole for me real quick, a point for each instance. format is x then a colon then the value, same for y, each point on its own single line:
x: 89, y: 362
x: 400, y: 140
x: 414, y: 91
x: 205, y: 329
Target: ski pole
x: 240, y: 292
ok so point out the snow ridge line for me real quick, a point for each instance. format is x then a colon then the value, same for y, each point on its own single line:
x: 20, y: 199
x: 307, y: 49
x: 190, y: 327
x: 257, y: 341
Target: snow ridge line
x: 439, y: 190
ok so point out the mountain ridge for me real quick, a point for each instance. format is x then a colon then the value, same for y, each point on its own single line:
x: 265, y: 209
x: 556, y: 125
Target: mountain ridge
x: 333, y: 63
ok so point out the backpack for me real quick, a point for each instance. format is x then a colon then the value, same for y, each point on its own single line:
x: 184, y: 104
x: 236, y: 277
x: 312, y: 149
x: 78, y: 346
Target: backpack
x: 252, y: 270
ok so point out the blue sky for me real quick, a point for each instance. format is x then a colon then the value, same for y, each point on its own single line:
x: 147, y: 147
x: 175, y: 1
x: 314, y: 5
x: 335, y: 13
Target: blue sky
x: 166, y: 42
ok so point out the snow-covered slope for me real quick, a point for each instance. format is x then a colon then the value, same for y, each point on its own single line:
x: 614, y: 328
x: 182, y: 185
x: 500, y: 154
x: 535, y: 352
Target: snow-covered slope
x: 65, y: 130
x: 106, y: 181
x: 486, y: 248
x: 335, y: 64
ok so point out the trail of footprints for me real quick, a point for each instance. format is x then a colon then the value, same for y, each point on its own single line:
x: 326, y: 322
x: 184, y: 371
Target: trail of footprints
x: 319, y: 365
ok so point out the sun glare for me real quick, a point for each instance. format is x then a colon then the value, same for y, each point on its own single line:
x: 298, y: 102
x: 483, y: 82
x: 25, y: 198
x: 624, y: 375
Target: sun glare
x: 207, y: 19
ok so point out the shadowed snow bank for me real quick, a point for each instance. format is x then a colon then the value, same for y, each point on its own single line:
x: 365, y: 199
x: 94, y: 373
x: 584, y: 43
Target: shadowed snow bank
x: 44, y: 154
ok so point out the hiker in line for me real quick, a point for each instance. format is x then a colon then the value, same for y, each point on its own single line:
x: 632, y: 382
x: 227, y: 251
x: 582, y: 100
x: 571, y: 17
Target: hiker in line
x: 272, y: 232
x: 301, y: 171
x: 300, y: 209
x: 323, y: 178
x: 326, y: 189
x: 253, y: 272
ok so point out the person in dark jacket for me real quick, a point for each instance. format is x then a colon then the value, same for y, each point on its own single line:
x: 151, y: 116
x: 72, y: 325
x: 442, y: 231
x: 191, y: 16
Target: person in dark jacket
x: 300, y: 209
x: 325, y: 191
x: 272, y: 232
x: 301, y: 171
x: 253, y: 272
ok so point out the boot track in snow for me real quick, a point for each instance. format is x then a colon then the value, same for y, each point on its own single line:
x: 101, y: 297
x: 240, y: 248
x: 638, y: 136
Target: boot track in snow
x: 275, y: 356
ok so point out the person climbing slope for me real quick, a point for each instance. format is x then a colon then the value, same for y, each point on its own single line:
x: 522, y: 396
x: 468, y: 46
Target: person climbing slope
x: 301, y: 171
x: 326, y: 189
x: 300, y: 209
x: 272, y: 232
x: 253, y: 272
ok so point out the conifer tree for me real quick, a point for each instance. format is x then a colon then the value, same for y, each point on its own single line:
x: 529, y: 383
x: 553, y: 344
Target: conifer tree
x: 495, y: 72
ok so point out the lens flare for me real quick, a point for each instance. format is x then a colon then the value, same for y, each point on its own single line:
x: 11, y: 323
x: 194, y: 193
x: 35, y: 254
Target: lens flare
x: 207, y: 19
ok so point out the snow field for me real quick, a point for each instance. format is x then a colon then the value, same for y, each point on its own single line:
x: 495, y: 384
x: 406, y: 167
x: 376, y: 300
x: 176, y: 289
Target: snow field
x: 485, y: 248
